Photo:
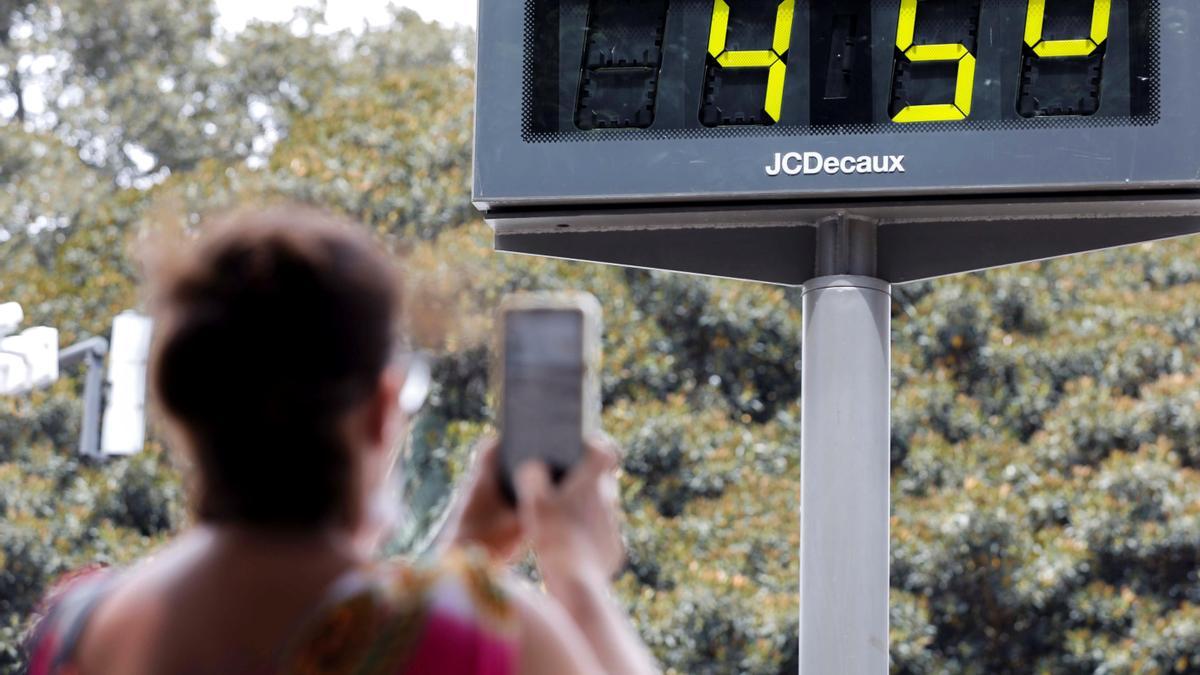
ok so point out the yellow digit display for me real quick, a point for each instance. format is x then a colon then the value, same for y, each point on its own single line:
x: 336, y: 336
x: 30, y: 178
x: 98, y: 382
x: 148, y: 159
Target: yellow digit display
x: 964, y: 90
x: 771, y: 59
x: 1035, y: 21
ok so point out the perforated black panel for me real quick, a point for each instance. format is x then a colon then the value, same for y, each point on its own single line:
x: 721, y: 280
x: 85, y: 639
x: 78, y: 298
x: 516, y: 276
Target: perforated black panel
x: 557, y: 112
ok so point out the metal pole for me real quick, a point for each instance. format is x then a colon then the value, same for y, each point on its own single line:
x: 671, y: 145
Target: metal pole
x: 845, y: 490
x: 90, y: 352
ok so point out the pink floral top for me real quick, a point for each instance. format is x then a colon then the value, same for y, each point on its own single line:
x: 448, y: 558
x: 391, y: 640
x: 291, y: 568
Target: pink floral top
x: 393, y: 619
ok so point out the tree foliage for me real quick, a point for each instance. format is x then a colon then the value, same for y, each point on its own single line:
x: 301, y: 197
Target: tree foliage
x: 1046, y: 432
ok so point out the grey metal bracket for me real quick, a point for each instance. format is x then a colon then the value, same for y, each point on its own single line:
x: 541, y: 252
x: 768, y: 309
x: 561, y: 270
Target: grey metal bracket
x: 847, y: 245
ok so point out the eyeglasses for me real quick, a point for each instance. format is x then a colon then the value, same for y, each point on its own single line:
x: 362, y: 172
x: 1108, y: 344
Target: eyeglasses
x: 418, y: 380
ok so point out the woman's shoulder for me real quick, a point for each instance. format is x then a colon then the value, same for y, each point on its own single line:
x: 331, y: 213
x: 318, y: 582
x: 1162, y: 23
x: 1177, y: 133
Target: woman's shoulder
x: 453, y: 616
x: 58, y: 624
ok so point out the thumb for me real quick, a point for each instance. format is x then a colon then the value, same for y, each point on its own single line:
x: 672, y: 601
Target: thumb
x: 533, y: 484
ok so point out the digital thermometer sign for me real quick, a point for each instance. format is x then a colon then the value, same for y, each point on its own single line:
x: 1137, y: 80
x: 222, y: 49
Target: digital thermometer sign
x: 804, y: 67
x: 653, y: 116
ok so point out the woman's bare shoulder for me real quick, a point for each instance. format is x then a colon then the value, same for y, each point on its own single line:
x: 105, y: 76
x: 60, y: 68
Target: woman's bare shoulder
x: 135, y: 603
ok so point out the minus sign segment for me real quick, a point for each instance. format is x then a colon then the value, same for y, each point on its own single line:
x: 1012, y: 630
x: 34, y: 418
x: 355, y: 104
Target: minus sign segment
x: 620, y: 66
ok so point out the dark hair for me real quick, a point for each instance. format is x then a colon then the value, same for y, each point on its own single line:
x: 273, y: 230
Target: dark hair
x: 269, y: 329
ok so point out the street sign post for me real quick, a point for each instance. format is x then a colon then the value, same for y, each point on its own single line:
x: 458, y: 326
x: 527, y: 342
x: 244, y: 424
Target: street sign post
x: 844, y: 147
x: 124, y: 428
x: 32, y: 360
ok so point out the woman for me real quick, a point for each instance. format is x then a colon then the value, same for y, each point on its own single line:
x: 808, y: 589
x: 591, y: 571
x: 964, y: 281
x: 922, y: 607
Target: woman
x: 275, y: 366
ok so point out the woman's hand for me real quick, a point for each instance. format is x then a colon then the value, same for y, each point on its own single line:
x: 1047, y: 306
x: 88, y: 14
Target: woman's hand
x: 574, y: 528
x: 483, y: 517
x: 575, y: 531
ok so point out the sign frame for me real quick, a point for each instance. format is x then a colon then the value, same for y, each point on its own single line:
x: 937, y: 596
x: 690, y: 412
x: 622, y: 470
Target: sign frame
x: 514, y: 173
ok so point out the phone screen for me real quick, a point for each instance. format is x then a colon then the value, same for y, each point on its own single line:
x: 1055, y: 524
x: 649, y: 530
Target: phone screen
x: 543, y: 388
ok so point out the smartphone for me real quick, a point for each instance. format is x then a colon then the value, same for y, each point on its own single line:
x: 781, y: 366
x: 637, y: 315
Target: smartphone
x: 547, y: 367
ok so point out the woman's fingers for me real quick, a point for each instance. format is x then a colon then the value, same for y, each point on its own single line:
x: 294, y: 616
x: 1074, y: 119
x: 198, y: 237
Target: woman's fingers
x: 489, y: 448
x: 607, y: 449
x: 487, y: 460
x: 481, y: 515
x: 484, y: 482
x: 600, y: 459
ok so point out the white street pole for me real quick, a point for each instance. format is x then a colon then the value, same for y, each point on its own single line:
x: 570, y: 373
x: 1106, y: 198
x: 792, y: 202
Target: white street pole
x: 845, y: 489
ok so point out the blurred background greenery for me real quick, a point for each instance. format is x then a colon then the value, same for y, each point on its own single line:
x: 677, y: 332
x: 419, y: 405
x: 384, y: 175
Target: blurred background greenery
x: 1046, y: 432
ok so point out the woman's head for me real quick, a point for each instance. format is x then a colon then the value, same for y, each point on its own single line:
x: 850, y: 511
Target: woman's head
x: 275, y: 332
